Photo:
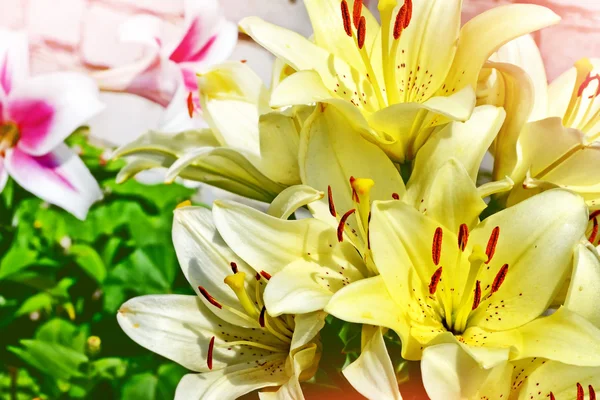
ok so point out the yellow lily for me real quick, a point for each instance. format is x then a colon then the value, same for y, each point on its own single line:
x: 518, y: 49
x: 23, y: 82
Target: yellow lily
x: 250, y: 149
x: 449, y: 372
x: 400, y: 80
x: 223, y: 334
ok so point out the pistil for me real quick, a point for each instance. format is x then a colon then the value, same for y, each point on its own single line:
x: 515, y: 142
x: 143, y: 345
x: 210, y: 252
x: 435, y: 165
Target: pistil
x: 237, y: 283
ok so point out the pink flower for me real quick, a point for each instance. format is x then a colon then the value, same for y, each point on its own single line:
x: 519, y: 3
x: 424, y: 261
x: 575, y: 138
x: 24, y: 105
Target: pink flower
x: 36, y: 115
x: 577, y: 36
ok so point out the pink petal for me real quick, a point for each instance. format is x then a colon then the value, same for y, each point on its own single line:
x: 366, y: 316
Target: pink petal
x: 190, y: 80
x: 14, y: 60
x: 48, y: 108
x: 194, y: 45
x: 59, y: 177
x: 3, y: 175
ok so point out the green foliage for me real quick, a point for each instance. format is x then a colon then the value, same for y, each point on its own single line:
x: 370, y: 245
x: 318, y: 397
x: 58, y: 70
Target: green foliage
x: 62, y: 281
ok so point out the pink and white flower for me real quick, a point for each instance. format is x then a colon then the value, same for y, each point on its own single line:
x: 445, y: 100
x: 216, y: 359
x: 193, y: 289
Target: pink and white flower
x: 36, y: 115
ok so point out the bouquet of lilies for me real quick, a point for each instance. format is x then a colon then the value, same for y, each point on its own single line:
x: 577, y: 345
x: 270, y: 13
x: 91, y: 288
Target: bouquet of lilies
x: 385, y: 214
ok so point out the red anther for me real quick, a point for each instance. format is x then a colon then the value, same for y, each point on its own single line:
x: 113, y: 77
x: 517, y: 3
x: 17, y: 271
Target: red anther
x: 190, y: 105
x: 395, y: 196
x: 409, y: 10
x: 342, y: 224
x: 330, y: 200
x: 586, y: 83
x: 435, y: 279
x: 477, y: 298
x: 463, y: 236
x: 346, y: 18
x: 594, y: 230
x: 592, y: 392
x: 265, y: 275
x: 399, y: 24
x: 357, y: 12
x: 499, y: 279
x: 208, y: 297
x: 594, y: 214
x: 580, y: 392
x: 261, y: 318
x: 552, y: 396
x: 492, y: 242
x: 436, y: 247
x: 354, y: 194
x: 257, y: 276
x: 209, y: 358
x: 361, y: 32
x: 234, y: 267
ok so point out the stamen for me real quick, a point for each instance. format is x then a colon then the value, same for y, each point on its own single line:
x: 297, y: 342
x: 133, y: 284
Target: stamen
x: 463, y: 236
x: 190, y: 105
x: 409, y: 8
x: 257, y: 276
x: 346, y: 18
x: 592, y: 392
x: 209, y: 358
x: 357, y: 12
x: 436, y: 248
x: 209, y: 298
x: 261, y: 318
x: 594, y: 230
x: 395, y: 196
x: 399, y: 24
x: 552, y: 396
x: 492, y: 242
x: 342, y: 224
x: 354, y: 193
x: 330, y: 200
x: 234, y: 267
x: 265, y: 275
x: 499, y: 279
x: 584, y: 85
x: 477, y: 298
x: 435, y: 279
x: 594, y: 214
x: 361, y: 32
x: 580, y: 393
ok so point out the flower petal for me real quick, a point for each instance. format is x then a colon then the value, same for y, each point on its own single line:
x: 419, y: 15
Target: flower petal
x: 291, y: 199
x: 449, y: 372
x: 536, y: 241
x: 3, y: 175
x: 583, y: 296
x: 307, y: 328
x: 372, y: 373
x: 59, y: 177
x: 14, y: 60
x: 180, y: 328
x: 231, y: 383
x: 48, y: 108
x: 291, y: 390
x: 206, y: 260
x: 484, y: 34
x: 268, y: 243
x: 303, y: 87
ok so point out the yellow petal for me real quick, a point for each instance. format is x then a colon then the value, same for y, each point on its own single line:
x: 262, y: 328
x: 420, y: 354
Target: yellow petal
x: 291, y: 199
x: 584, y: 291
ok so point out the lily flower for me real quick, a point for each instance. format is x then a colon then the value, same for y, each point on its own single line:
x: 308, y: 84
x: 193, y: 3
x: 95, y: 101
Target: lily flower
x: 224, y: 334
x: 250, y: 149
x: 449, y: 372
x: 400, y: 80
x: 36, y: 115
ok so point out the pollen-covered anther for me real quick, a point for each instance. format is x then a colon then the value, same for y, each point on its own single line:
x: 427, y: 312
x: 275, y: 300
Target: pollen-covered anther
x: 395, y: 196
x: 342, y: 224
x: 594, y: 233
x: 261, y: 318
x: 357, y: 12
x: 580, y: 392
x: 499, y: 279
x: 265, y: 275
x: 477, y: 295
x: 399, y: 23
x: 190, y: 105
x: 592, y: 392
x: 234, y: 267
x: 209, y: 298
x: 435, y: 279
x: 209, y: 357
x: 330, y: 202
x: 492, y: 243
x: 346, y: 18
x: 586, y: 83
x: 463, y: 236
x: 552, y: 396
x: 409, y: 9
x: 436, y: 247
x: 361, y: 32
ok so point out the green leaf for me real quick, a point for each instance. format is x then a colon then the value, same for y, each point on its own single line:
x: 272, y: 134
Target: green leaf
x: 40, y: 301
x: 17, y: 259
x: 26, y: 387
x: 140, y: 386
x: 63, y: 333
x: 89, y: 260
x: 108, y: 368
x: 169, y: 376
x: 55, y: 360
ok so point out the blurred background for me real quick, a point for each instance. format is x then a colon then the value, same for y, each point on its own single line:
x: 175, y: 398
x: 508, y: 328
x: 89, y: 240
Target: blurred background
x: 62, y: 280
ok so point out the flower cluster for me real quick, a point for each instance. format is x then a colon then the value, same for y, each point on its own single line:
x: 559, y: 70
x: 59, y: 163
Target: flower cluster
x: 490, y: 280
